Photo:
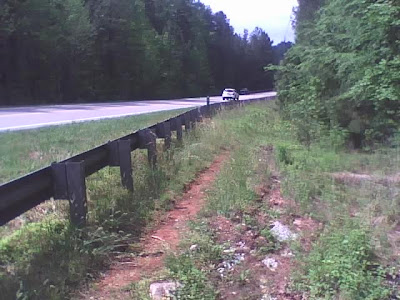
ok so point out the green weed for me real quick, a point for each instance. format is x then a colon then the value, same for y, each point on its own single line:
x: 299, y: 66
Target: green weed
x: 342, y: 266
x: 193, y: 280
x: 65, y: 257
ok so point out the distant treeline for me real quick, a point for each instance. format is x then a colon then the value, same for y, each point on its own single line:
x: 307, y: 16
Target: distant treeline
x: 343, y: 74
x: 55, y: 51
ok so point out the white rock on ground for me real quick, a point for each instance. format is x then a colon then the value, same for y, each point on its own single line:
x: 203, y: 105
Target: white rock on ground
x: 281, y: 232
x: 271, y: 263
x: 163, y: 289
x: 268, y: 297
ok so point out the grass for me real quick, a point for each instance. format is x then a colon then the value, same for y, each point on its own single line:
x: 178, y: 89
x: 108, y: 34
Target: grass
x: 49, y: 259
x: 24, y: 151
x: 356, y: 252
x: 231, y: 194
x: 348, y: 261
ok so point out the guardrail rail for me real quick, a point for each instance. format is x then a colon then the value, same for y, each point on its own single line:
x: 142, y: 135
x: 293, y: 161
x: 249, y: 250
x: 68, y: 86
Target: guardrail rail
x: 66, y: 180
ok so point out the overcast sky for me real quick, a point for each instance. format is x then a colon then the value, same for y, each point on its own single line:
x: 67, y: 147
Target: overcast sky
x: 273, y: 16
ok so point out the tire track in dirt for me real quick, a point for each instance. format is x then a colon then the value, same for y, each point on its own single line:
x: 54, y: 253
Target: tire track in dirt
x: 159, y: 241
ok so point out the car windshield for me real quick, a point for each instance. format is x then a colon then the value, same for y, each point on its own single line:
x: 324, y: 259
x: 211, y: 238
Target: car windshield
x: 229, y: 90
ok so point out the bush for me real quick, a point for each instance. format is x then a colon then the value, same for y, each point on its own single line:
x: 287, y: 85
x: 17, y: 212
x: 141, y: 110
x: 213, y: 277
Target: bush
x: 342, y: 265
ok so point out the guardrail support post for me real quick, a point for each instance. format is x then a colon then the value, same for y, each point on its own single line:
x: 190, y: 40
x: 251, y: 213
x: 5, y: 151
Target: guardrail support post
x: 193, y: 118
x: 125, y: 163
x: 76, y: 192
x: 163, y: 130
x: 187, y: 120
x: 70, y: 184
x: 147, y: 140
x: 208, y: 107
x: 120, y: 156
x: 176, y: 124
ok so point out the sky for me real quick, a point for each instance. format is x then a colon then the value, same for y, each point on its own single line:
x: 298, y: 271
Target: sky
x: 273, y: 16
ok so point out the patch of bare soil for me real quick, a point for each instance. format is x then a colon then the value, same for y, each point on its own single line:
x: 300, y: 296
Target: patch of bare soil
x: 253, y: 277
x: 353, y: 178
x: 157, y: 242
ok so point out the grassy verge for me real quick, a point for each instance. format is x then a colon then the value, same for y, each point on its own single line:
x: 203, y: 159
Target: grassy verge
x: 25, y: 151
x: 47, y: 260
x: 355, y: 254
x: 354, y: 257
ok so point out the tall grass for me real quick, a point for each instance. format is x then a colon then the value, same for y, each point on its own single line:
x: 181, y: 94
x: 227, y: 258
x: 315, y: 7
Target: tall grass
x: 49, y: 259
x: 365, y: 211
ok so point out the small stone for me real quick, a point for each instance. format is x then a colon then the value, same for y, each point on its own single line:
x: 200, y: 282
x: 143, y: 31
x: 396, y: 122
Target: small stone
x: 243, y: 250
x: 160, y: 290
x: 193, y: 247
x: 268, y: 297
x: 230, y: 250
x: 287, y: 253
x: 240, y: 244
x: 271, y: 263
x: 281, y: 232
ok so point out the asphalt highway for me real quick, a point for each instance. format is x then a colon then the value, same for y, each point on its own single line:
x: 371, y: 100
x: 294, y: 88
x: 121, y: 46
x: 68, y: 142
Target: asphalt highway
x: 20, y: 118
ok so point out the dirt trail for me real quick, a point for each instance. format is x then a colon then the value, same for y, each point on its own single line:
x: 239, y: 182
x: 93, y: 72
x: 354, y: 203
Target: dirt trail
x: 158, y: 242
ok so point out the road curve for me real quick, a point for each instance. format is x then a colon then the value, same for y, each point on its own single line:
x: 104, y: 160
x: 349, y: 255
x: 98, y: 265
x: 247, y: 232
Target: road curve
x: 28, y: 117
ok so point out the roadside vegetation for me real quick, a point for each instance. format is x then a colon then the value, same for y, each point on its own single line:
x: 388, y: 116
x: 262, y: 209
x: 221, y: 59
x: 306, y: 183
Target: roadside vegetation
x: 343, y: 73
x: 346, y: 226
x: 48, y: 259
x: 347, y: 230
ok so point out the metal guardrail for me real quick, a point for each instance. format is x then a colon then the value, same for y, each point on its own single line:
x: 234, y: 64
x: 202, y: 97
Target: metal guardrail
x: 65, y: 180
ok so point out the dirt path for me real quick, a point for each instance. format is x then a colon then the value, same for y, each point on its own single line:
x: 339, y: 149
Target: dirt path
x: 266, y: 266
x: 156, y: 243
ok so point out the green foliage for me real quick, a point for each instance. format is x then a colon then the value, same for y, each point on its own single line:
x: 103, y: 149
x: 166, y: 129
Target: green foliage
x: 68, y: 51
x: 284, y: 155
x: 271, y: 244
x: 231, y: 191
x: 45, y: 260
x: 345, y: 66
x: 194, y: 282
x: 341, y: 265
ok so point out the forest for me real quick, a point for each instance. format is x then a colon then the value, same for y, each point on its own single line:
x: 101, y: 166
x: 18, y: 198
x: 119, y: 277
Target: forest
x: 343, y: 74
x: 63, y: 51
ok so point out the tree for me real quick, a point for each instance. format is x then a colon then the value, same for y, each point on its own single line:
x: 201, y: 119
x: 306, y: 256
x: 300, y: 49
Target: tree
x: 345, y: 66
x: 63, y: 51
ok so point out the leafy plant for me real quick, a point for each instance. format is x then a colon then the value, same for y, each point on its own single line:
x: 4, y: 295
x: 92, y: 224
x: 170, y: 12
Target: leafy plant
x: 194, y: 283
x: 342, y: 263
x: 343, y: 70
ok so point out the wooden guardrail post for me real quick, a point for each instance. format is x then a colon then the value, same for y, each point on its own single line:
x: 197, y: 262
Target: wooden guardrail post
x: 70, y: 184
x: 208, y: 107
x: 120, y: 155
x: 193, y: 118
x: 147, y: 140
x: 199, y: 114
x: 187, y: 121
x: 176, y: 125
x: 163, y: 130
x: 125, y: 163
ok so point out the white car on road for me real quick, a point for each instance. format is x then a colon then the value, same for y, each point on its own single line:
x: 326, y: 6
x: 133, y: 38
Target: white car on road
x: 230, y: 94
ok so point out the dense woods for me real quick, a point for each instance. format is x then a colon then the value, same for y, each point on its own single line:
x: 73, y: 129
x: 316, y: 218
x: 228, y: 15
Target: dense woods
x: 343, y: 74
x: 55, y: 51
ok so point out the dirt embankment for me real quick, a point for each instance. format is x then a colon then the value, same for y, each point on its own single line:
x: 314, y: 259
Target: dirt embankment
x: 157, y: 242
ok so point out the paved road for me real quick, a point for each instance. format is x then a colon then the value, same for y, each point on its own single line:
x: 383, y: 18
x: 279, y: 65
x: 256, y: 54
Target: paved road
x: 20, y: 118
